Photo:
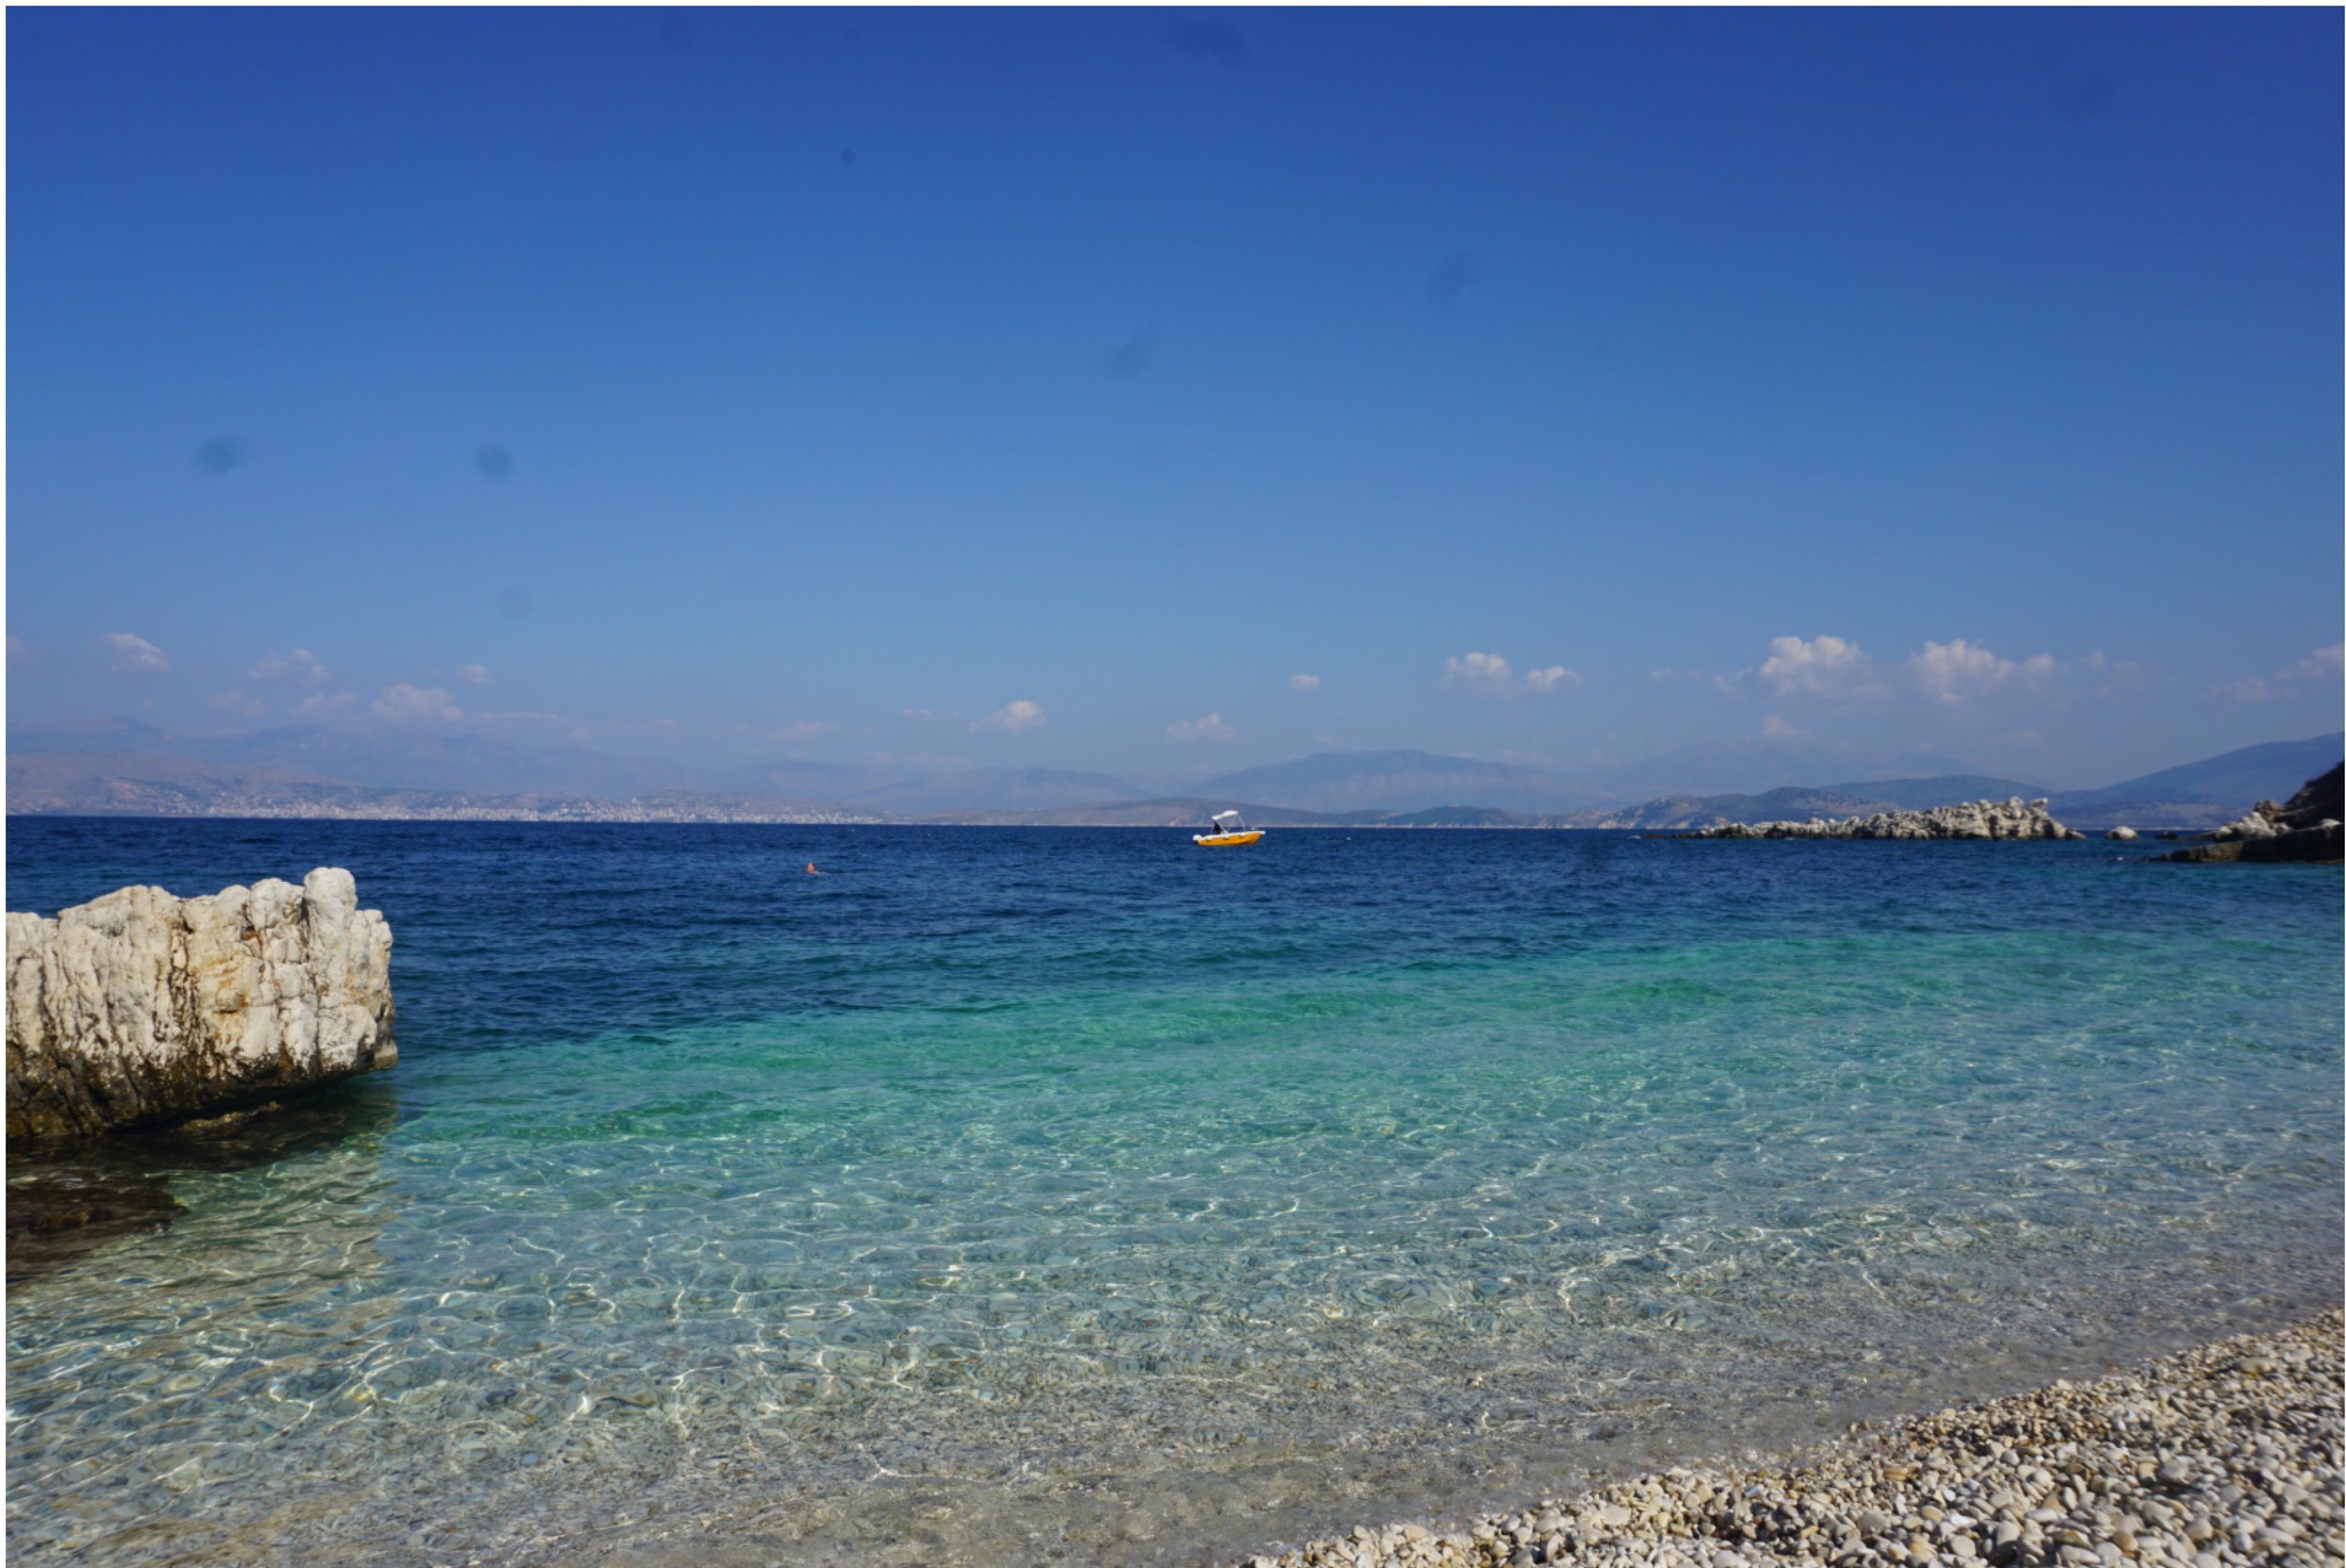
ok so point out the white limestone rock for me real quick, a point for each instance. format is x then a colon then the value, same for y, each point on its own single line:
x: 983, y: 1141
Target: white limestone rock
x: 2014, y: 818
x: 139, y: 1008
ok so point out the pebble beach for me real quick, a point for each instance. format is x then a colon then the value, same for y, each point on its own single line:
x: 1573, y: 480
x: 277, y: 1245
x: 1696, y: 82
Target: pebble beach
x: 2220, y: 1455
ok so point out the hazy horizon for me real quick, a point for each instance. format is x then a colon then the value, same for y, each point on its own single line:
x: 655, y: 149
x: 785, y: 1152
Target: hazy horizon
x: 1164, y: 394
x: 1395, y: 778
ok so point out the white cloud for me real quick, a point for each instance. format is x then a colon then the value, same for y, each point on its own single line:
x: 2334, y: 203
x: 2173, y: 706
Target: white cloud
x: 1489, y: 674
x: 135, y: 655
x: 1015, y: 718
x: 805, y: 730
x: 2319, y: 664
x: 18, y: 648
x: 1951, y: 672
x: 238, y: 701
x: 1776, y: 727
x: 473, y: 674
x: 2115, y: 675
x: 300, y: 668
x: 1477, y: 672
x: 317, y: 704
x: 1822, y: 665
x: 402, y: 703
x: 1211, y: 727
x: 1826, y: 666
x: 1304, y: 682
x: 930, y: 715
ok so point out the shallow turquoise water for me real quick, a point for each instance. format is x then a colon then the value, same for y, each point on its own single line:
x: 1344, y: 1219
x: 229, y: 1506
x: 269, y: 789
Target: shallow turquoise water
x: 1010, y: 1195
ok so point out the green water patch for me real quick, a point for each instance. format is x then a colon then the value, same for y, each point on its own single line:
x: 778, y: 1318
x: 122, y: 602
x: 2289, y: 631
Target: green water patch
x: 1573, y: 1161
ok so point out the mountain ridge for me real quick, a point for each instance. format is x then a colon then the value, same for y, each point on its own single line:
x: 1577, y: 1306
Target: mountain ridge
x: 148, y: 774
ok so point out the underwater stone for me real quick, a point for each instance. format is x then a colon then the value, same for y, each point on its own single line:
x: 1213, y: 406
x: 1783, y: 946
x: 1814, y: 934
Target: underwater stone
x: 139, y: 1009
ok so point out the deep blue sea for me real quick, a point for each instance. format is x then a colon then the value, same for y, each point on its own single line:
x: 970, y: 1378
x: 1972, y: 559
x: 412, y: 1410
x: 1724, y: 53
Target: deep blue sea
x: 1003, y: 1196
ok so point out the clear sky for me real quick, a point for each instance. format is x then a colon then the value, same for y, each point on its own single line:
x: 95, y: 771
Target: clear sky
x: 1163, y: 392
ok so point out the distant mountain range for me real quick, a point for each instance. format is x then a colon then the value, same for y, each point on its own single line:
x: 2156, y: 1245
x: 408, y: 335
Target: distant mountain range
x: 1754, y: 766
x: 1345, y: 781
x: 317, y: 770
x: 1406, y: 781
x: 998, y: 789
x: 2206, y: 793
x: 129, y: 783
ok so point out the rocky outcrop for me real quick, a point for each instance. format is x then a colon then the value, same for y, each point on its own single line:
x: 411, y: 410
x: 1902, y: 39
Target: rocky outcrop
x: 2262, y: 821
x: 2014, y: 818
x: 2321, y: 798
x: 2122, y: 834
x: 2318, y: 843
x: 2307, y: 829
x: 139, y: 1008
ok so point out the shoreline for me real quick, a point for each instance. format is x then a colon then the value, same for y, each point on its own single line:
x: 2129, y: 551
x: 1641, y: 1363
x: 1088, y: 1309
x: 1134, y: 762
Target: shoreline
x: 2225, y: 1454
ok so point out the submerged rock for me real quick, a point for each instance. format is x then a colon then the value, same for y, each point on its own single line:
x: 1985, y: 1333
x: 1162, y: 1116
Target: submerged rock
x: 139, y: 1008
x: 2014, y: 818
x: 53, y: 1219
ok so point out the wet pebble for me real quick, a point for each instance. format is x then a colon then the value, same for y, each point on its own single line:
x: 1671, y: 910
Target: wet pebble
x: 2225, y: 1456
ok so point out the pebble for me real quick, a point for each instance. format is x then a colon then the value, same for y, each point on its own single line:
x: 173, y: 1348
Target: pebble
x: 2217, y: 1457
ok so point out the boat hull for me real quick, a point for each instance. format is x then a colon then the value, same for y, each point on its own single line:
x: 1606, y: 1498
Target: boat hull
x: 1225, y: 841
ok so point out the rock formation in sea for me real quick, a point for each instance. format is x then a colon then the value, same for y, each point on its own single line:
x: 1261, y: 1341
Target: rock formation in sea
x: 139, y: 1008
x: 2014, y: 818
x: 2307, y: 829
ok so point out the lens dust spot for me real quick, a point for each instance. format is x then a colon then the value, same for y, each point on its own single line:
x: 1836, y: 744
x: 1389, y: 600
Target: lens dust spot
x: 220, y: 454
x: 2086, y: 101
x: 1209, y: 41
x: 1451, y: 275
x: 494, y: 462
x: 513, y: 602
x: 1130, y: 357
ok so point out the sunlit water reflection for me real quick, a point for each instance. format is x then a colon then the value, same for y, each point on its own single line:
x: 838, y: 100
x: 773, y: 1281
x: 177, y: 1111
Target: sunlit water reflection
x: 1006, y: 1196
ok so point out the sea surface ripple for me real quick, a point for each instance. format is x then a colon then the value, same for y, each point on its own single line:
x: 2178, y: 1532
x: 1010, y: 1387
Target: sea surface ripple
x: 1006, y: 1196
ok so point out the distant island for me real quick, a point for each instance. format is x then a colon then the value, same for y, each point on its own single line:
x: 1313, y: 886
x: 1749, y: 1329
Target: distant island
x: 314, y: 773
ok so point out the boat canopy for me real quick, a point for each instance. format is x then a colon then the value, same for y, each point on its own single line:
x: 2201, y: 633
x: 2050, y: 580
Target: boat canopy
x: 1228, y: 819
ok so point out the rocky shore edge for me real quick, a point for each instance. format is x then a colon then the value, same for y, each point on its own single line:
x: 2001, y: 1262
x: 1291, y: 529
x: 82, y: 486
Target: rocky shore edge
x: 2218, y: 1456
x: 2014, y: 818
x: 2307, y: 829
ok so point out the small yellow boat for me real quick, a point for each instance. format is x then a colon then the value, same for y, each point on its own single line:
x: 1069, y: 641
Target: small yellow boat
x: 1227, y: 829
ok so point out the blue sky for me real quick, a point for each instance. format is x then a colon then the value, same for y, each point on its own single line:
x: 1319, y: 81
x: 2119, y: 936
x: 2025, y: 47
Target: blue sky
x: 724, y: 382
